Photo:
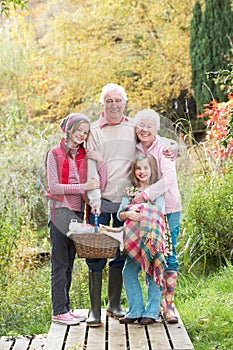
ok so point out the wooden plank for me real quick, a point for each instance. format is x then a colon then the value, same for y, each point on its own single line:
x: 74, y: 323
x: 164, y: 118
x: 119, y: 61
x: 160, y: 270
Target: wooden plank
x: 96, y: 335
x: 76, y: 336
x: 55, y: 337
x: 38, y: 342
x: 137, y: 337
x: 158, y: 336
x: 5, y: 344
x: 21, y: 344
x: 116, y: 335
x: 179, y: 336
x: 151, y: 337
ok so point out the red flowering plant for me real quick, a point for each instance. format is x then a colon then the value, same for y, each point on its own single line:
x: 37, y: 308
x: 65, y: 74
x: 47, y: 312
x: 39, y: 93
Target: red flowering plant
x: 220, y: 125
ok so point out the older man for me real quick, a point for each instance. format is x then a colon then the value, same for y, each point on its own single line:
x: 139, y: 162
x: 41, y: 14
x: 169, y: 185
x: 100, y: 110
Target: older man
x: 113, y: 135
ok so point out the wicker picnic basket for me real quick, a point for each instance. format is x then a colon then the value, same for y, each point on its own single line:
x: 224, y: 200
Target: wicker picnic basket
x: 95, y: 245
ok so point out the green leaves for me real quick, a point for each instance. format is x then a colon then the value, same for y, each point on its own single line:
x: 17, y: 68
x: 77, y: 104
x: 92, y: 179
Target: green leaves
x: 6, y: 5
x: 206, y: 239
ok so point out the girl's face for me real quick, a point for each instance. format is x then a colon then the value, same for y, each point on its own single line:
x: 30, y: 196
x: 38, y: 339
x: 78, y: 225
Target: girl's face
x: 79, y: 135
x: 143, y: 171
x: 146, y: 131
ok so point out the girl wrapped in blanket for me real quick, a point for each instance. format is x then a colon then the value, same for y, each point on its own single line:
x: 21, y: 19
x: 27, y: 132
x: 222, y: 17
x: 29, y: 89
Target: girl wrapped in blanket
x: 144, y: 240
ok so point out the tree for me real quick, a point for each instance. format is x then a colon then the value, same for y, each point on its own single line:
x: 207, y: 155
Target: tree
x: 195, y: 52
x: 211, y: 36
x: 61, y: 66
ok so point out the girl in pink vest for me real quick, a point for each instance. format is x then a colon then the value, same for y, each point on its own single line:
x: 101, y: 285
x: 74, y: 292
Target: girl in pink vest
x: 66, y: 169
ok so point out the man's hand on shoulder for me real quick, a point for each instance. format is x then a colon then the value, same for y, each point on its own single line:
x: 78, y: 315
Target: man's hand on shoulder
x: 171, y: 149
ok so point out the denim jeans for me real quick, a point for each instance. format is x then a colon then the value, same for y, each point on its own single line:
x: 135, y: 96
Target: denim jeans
x: 134, y: 295
x: 174, y: 226
x: 118, y: 261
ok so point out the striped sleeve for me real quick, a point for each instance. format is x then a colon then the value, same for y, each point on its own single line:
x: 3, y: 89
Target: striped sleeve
x: 55, y: 187
x: 102, y: 171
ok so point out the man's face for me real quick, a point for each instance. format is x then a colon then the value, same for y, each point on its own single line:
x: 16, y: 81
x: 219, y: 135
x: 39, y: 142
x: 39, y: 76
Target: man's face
x: 114, y: 106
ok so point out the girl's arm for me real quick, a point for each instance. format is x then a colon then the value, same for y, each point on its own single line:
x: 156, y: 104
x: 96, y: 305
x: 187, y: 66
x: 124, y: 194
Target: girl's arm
x: 122, y: 214
x: 96, y: 162
x: 130, y: 215
x: 59, y: 189
x: 101, y: 166
x: 102, y: 171
x: 124, y: 202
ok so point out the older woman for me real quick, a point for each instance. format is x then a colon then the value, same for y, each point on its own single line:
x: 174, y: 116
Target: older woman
x: 147, y: 126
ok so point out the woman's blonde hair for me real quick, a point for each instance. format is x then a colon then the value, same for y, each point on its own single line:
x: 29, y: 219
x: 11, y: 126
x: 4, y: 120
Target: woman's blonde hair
x: 153, y: 166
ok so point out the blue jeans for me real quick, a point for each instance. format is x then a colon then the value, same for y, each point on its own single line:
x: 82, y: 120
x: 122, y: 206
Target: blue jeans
x: 174, y: 226
x: 118, y: 261
x: 134, y: 295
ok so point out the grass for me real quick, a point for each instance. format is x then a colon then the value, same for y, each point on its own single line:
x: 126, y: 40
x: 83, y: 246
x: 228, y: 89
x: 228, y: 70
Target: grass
x: 205, y: 304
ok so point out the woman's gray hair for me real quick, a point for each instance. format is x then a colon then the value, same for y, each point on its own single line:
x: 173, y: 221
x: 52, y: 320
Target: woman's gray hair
x: 148, y: 113
x: 112, y: 87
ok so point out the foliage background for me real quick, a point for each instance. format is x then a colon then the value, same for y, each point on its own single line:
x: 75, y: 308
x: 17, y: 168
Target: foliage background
x: 68, y: 51
x: 54, y: 60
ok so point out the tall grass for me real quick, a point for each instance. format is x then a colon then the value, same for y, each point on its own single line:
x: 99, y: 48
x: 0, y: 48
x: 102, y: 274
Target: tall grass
x: 204, y: 304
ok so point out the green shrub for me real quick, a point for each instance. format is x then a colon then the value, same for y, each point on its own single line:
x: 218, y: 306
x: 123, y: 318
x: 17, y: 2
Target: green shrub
x: 206, y: 234
x: 23, y: 206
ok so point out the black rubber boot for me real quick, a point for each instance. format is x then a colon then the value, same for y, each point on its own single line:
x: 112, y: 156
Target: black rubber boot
x: 114, y: 293
x: 95, y: 286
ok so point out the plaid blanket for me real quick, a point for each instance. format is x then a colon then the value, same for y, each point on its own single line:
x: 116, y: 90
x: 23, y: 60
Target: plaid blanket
x: 145, y: 240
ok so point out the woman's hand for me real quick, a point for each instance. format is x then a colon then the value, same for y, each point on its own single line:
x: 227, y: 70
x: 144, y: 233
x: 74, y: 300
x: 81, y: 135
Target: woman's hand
x: 138, y: 199
x: 92, y: 184
x: 94, y: 155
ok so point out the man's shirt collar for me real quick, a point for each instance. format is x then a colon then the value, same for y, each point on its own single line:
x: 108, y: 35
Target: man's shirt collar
x: 104, y: 121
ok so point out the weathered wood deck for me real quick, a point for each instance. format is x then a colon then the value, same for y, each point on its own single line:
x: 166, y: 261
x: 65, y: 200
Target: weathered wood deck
x: 110, y: 336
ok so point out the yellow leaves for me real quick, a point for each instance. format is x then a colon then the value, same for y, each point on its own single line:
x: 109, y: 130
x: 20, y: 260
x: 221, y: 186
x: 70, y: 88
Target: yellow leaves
x: 142, y: 45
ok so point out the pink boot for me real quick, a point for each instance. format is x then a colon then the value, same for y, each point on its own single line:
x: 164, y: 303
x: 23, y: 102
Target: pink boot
x: 170, y: 278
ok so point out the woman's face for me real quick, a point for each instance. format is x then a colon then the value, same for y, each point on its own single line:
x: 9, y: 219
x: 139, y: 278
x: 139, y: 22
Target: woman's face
x: 146, y: 131
x: 143, y: 171
x: 79, y: 135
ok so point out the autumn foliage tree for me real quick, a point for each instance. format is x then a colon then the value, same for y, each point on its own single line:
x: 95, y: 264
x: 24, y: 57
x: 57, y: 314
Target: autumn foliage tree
x: 220, y: 117
x: 61, y: 66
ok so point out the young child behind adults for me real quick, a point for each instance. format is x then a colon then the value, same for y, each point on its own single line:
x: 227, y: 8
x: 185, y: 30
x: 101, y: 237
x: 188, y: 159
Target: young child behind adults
x: 149, y: 142
x: 66, y: 168
x: 143, y: 237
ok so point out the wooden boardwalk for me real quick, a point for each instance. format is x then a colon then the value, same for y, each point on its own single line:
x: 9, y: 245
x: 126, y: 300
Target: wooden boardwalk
x: 110, y: 336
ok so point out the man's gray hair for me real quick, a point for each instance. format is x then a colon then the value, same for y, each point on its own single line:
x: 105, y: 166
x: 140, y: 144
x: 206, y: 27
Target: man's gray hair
x: 148, y: 113
x: 112, y: 87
